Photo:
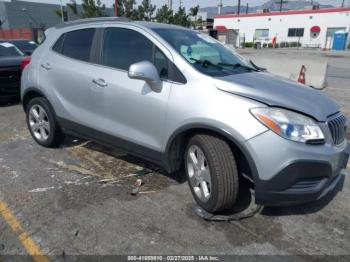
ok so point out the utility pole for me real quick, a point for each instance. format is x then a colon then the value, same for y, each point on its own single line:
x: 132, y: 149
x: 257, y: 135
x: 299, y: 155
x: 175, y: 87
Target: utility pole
x: 116, y: 7
x: 281, y: 2
x: 247, y: 8
x: 281, y: 5
x: 239, y: 7
x: 170, y: 4
x: 343, y: 3
x: 62, y: 16
x: 220, y: 7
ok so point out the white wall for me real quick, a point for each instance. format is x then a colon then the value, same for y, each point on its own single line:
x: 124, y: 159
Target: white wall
x: 278, y: 25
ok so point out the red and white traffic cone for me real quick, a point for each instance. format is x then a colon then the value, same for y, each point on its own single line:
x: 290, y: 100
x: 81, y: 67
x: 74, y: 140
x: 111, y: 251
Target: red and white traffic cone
x: 301, y: 78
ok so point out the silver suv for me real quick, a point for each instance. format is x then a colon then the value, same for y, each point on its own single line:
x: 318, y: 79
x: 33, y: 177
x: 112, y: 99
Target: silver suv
x: 179, y: 98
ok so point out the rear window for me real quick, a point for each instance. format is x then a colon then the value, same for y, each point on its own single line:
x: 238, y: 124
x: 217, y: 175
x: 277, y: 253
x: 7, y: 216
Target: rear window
x: 25, y: 45
x: 76, y: 44
x: 8, y: 49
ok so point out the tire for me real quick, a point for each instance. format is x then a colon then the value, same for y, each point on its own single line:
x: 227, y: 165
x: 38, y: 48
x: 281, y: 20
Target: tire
x: 43, y: 119
x: 219, y: 161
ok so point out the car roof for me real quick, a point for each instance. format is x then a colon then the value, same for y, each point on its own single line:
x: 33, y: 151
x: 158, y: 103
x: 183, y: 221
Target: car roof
x: 87, y: 21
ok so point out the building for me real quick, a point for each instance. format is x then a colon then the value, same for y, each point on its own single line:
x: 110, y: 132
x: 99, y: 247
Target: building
x: 310, y: 28
x: 28, y: 20
x: 22, y: 14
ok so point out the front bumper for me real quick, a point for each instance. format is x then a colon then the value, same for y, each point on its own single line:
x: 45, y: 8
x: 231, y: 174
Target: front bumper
x: 291, y: 173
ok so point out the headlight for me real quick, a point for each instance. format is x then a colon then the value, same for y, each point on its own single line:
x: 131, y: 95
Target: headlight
x: 289, y: 124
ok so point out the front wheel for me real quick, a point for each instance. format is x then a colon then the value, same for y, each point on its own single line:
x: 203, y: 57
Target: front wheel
x: 212, y: 173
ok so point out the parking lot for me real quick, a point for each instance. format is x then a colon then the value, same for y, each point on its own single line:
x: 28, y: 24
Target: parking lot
x: 76, y: 200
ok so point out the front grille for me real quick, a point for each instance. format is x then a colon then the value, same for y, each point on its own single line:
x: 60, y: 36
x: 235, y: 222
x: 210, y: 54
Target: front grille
x: 337, y: 126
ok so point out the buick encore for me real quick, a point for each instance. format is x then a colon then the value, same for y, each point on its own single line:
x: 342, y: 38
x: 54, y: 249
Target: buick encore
x: 179, y: 98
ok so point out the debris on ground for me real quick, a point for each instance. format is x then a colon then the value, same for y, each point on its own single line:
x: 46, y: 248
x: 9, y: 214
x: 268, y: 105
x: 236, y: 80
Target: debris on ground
x: 137, y: 186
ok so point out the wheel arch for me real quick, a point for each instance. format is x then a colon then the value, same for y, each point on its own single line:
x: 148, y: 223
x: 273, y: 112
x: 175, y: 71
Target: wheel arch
x: 176, y: 145
x: 29, y: 94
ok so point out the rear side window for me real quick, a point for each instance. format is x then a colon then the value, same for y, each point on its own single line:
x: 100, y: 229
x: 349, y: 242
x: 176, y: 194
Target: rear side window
x: 58, y: 45
x: 76, y: 44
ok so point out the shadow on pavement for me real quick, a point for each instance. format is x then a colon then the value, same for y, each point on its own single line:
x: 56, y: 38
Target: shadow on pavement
x: 178, y: 176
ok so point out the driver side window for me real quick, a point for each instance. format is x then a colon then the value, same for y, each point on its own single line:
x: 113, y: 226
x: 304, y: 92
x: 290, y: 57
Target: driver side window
x: 124, y: 47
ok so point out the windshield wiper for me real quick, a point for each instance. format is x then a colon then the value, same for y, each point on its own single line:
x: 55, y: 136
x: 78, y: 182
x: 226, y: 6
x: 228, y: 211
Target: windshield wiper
x: 238, y: 65
x: 206, y: 63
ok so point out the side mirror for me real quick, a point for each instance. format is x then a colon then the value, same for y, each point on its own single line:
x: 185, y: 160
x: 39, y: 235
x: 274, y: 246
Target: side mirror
x: 148, y: 72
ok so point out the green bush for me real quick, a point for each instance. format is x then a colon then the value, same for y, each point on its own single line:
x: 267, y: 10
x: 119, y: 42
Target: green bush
x: 270, y: 45
x: 264, y: 45
x: 248, y: 44
x: 294, y: 44
x: 348, y: 45
x: 284, y: 44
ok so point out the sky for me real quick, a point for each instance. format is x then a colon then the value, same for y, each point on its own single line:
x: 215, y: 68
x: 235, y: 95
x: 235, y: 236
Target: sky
x: 201, y: 3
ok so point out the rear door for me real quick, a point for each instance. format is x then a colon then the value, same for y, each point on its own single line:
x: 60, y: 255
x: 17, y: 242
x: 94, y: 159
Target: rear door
x: 67, y: 69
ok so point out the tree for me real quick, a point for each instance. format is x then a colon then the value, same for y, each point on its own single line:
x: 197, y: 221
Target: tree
x: 194, y: 12
x: 73, y: 7
x: 126, y: 9
x: 59, y: 12
x: 181, y: 18
x: 164, y: 15
x: 146, y: 10
x: 92, y: 8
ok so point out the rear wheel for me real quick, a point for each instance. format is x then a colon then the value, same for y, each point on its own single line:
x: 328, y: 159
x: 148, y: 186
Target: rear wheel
x: 212, y: 173
x: 42, y: 123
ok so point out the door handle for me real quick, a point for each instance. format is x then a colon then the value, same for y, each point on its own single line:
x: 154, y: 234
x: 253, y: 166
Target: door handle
x: 100, y: 82
x: 46, y: 66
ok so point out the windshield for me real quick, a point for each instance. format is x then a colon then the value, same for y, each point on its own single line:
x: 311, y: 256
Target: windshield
x: 205, y: 53
x: 25, y: 45
x: 7, y: 49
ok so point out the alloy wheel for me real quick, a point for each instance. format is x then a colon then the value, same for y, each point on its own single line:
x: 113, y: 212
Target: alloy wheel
x: 199, y: 173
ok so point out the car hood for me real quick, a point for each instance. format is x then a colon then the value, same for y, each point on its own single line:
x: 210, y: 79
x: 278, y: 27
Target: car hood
x: 11, y: 61
x: 278, y: 91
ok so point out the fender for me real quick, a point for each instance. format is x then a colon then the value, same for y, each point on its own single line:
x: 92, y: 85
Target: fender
x: 31, y: 89
x: 218, y: 130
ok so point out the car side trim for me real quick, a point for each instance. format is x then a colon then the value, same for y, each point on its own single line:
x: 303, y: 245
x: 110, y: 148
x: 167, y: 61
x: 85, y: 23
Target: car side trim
x: 81, y: 131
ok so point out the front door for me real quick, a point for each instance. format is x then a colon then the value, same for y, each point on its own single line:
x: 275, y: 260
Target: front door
x: 134, y: 113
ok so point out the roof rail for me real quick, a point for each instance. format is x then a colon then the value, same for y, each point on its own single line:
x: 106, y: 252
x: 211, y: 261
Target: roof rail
x: 92, y: 20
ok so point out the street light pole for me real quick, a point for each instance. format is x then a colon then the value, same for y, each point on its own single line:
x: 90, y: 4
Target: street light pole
x: 62, y: 16
x: 239, y: 7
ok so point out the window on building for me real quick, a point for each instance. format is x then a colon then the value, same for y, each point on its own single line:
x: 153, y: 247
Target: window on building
x: 76, y: 44
x: 261, y: 33
x: 295, y: 32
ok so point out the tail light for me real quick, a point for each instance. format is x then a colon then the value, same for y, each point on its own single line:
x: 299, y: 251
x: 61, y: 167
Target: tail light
x: 25, y: 62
